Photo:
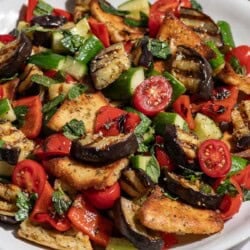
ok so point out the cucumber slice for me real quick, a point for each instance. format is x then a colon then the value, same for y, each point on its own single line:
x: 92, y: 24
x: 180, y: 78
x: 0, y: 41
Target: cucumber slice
x: 148, y: 137
x: 135, y: 7
x: 206, y: 128
x: 6, y: 110
x: 74, y: 67
x: 124, y: 87
x: 140, y: 161
x: 81, y: 28
x: 56, y: 45
x: 178, y: 87
x: 163, y: 118
x: 120, y: 244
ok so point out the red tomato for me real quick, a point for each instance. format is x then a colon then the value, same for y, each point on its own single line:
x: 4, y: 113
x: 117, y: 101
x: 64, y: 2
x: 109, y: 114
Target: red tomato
x: 33, y: 119
x: 1, y: 92
x: 88, y: 220
x: 30, y: 176
x: 103, y: 199
x: 231, y: 205
x: 54, y: 145
x: 169, y: 239
x: 214, y: 158
x: 242, y: 53
x: 243, y: 177
x: 152, y: 95
x: 158, y: 11
x: 30, y: 8
x: 131, y: 121
x: 6, y: 38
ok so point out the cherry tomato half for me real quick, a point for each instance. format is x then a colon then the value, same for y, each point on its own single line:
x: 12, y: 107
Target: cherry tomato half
x: 103, y: 199
x: 231, y: 205
x: 30, y: 176
x: 152, y: 95
x: 242, y: 53
x: 214, y: 158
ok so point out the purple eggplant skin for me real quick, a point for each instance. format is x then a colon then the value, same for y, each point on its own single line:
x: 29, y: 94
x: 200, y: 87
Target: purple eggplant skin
x: 10, y: 155
x: 14, y: 55
x: 110, y: 153
x: 137, y: 234
x: 41, y: 38
x: 49, y: 21
x: 187, y: 194
x: 8, y: 220
x: 243, y: 142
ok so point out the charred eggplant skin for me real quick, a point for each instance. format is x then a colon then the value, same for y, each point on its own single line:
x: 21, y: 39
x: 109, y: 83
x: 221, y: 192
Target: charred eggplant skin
x: 141, y: 241
x: 10, y: 155
x: 49, y: 21
x: 8, y: 220
x: 11, y: 65
x: 110, y: 153
x: 187, y: 194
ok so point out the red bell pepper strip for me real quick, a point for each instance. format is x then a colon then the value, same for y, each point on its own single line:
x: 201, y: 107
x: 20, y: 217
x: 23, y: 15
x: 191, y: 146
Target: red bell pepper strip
x: 30, y: 9
x: 100, y: 30
x: 64, y: 13
x: 243, y: 177
x: 86, y: 219
x: 42, y: 209
x: 183, y: 107
x: 54, y: 145
x: 131, y: 121
x: 33, y: 119
x: 1, y: 92
x: 169, y: 239
x: 6, y: 38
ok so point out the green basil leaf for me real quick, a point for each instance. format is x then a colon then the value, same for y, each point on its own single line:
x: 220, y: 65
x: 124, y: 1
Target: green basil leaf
x: 108, y: 8
x: 158, y: 48
x: 246, y: 194
x: 53, y: 103
x: 74, y: 129
x: 226, y: 187
x: 196, y: 5
x: 153, y: 169
x: 76, y: 91
x: 20, y: 112
x: 238, y: 164
x: 61, y: 202
x: 43, y: 80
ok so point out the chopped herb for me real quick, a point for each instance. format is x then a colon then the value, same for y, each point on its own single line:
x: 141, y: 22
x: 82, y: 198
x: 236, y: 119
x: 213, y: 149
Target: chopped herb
x: 171, y: 196
x: 72, y: 42
x: 205, y: 188
x: 196, y: 5
x: 158, y: 48
x: 76, y: 91
x: 20, y: 112
x: 238, y: 164
x: 226, y: 187
x: 42, y: 8
x: 25, y: 203
x: 153, y: 169
x: 137, y: 23
x: 74, y: 129
x: 53, y: 103
x: 246, y: 194
x: 2, y: 143
x: 61, y: 202
x: 108, y: 8
x: 236, y: 66
x: 43, y: 80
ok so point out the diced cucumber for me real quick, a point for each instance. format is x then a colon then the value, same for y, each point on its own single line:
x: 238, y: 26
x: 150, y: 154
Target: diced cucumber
x: 56, y: 45
x: 206, y: 128
x: 5, y: 169
x: 163, y: 118
x: 120, y: 244
x: 6, y: 110
x: 140, y: 161
x: 135, y: 7
x: 81, y: 28
x: 124, y: 87
x: 178, y: 87
x: 148, y: 137
x: 74, y: 67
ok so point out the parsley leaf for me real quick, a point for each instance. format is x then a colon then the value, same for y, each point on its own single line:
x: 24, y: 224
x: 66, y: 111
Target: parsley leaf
x: 226, y: 187
x: 25, y: 203
x: 43, y: 80
x: 74, y: 129
x: 20, y: 112
x: 61, y: 201
x: 76, y: 90
x: 72, y: 42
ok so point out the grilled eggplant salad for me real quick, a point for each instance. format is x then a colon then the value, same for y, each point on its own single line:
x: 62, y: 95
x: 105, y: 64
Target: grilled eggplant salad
x: 122, y: 127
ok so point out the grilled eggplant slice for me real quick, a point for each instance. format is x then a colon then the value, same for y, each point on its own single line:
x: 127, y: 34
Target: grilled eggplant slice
x: 10, y: 220
x: 108, y: 65
x: 135, y: 182
x: 127, y: 223
x: 13, y: 55
x: 98, y: 149
x: 10, y: 155
x: 161, y: 213
x: 196, y: 193
x: 49, y: 21
x: 202, y: 24
x: 194, y: 71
